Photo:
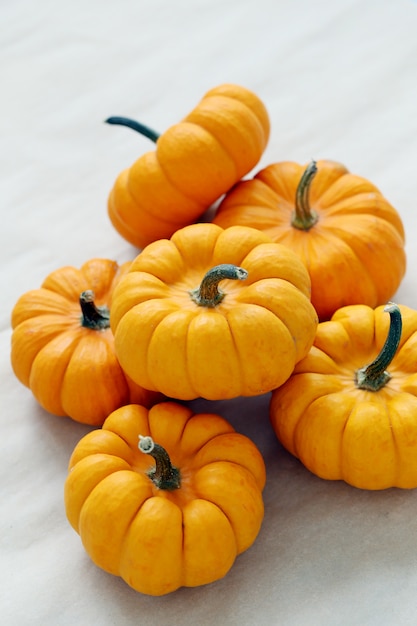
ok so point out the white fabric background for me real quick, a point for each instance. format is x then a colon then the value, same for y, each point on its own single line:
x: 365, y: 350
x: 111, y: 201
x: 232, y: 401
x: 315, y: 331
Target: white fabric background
x: 339, y: 80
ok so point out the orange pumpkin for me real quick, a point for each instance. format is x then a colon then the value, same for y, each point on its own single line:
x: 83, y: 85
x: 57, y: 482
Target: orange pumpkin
x: 62, y: 346
x: 349, y: 410
x: 195, y: 162
x: 178, y: 520
x: 178, y: 333
x: 346, y: 233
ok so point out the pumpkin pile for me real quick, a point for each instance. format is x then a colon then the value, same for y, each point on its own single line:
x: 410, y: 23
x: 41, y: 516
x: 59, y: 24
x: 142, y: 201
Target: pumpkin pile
x: 285, y: 291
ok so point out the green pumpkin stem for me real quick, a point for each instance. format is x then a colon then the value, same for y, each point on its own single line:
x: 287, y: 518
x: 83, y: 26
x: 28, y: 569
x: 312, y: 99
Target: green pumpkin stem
x: 93, y: 317
x: 304, y: 218
x: 137, y: 126
x: 164, y: 475
x: 208, y: 293
x: 374, y: 376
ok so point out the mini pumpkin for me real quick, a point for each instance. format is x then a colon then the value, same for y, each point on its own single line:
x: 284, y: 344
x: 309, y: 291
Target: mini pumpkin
x: 178, y: 333
x: 349, y: 410
x: 175, y: 512
x: 350, y: 238
x: 62, y: 346
x: 195, y: 162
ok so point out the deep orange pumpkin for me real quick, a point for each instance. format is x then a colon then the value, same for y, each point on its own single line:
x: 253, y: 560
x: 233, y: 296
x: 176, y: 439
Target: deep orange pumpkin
x: 62, y: 346
x: 350, y: 238
x: 195, y: 162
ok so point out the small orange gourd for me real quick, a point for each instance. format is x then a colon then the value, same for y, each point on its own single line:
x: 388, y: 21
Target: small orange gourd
x: 62, y: 346
x: 195, y: 162
x: 177, y: 519
x: 349, y: 410
x: 177, y: 332
x: 350, y: 238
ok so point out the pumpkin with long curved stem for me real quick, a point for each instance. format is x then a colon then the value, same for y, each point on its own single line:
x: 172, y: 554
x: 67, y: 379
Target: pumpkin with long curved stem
x: 349, y: 411
x: 195, y: 162
x: 213, y: 313
x: 350, y: 238
x: 62, y: 346
x: 175, y: 512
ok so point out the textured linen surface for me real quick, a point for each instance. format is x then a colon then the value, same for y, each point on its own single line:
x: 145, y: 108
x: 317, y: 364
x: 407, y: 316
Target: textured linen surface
x: 339, y: 80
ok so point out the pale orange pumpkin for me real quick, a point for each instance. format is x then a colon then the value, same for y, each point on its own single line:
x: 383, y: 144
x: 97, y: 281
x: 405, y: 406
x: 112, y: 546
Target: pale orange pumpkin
x: 177, y: 331
x: 349, y: 410
x: 179, y: 519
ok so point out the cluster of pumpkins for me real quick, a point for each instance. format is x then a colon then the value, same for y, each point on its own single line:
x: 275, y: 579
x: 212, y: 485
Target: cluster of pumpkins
x: 286, y: 290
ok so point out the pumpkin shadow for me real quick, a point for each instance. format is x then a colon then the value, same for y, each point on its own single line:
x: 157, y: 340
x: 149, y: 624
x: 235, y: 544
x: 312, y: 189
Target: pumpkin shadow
x: 249, y: 416
x: 59, y: 434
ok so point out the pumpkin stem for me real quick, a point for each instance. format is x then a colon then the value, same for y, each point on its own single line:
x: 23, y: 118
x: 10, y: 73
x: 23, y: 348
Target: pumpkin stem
x: 208, y: 293
x: 304, y: 218
x: 137, y: 126
x: 164, y: 475
x: 374, y: 376
x: 94, y: 317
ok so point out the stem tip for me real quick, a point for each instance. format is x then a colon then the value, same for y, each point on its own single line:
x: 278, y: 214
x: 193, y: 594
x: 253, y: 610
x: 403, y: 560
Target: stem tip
x: 146, y: 444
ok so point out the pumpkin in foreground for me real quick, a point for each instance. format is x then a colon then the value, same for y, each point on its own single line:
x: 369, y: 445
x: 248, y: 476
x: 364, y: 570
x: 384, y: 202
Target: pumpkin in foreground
x: 349, y: 411
x: 175, y: 511
x: 195, y: 162
x: 62, y: 346
x: 348, y: 235
x: 178, y: 332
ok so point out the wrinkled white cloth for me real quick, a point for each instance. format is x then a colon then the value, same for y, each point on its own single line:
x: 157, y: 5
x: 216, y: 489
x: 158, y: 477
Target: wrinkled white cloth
x: 339, y: 80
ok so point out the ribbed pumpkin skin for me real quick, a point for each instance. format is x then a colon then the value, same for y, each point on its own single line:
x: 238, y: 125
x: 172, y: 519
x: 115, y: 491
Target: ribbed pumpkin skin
x: 159, y: 540
x: 354, y: 253
x: 246, y: 345
x: 340, y: 432
x: 195, y: 162
x: 72, y: 370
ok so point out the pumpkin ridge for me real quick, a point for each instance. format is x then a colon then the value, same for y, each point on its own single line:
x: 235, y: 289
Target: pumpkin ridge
x: 119, y: 221
x: 41, y: 302
x: 222, y: 427
x: 239, y: 360
x: 348, y: 471
x: 284, y: 283
x: 343, y: 471
x: 186, y: 372
x: 204, y: 200
x: 244, y: 96
x: 343, y: 250
x: 210, y: 126
x: 132, y: 517
x: 394, y: 442
x: 357, y: 246
x: 201, y: 447
x: 295, y: 451
x: 149, y: 368
x: 154, y: 209
x: 280, y: 179
x: 236, y: 347
x: 105, y: 402
x: 340, y: 189
x: 23, y: 329
x: 41, y: 387
x: 101, y: 442
x: 371, y: 209
x: 204, y: 496
x: 123, y: 439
